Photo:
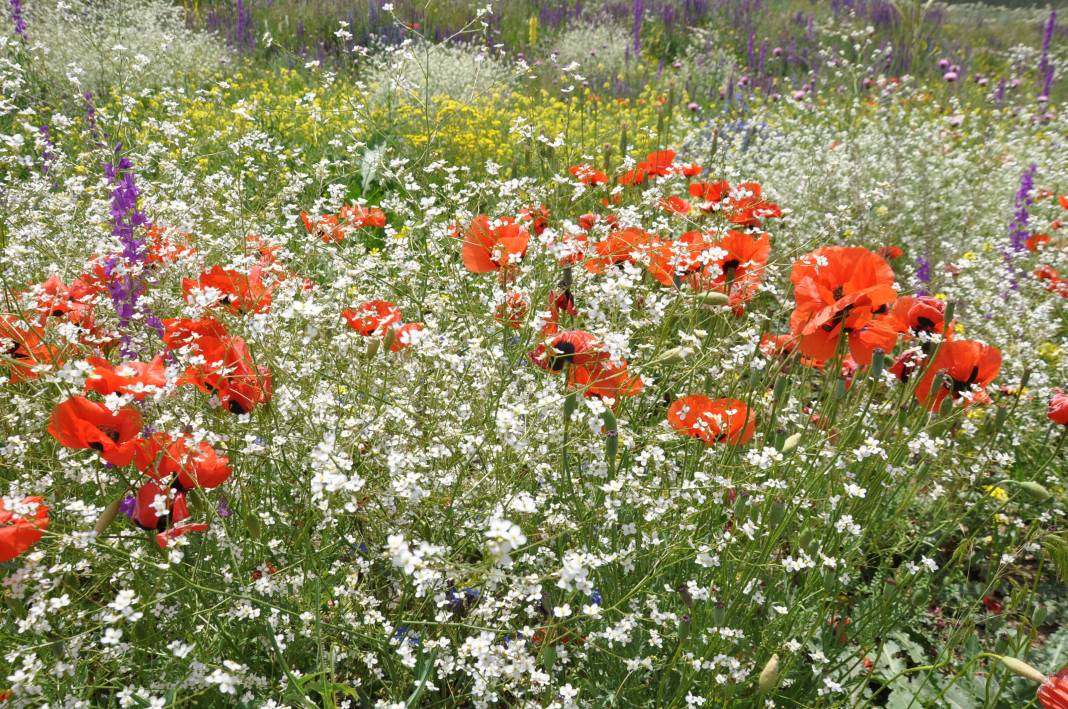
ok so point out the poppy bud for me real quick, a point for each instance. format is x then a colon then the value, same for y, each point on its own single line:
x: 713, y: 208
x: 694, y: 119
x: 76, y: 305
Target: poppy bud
x: 769, y: 676
x: 1033, y: 490
x: 611, y: 441
x: 713, y: 298
x: 389, y: 338
x: 372, y: 347
x: 790, y: 443
x: 947, y: 315
x: 877, y: 363
x: 676, y: 355
x: 1021, y: 668
x: 107, y: 516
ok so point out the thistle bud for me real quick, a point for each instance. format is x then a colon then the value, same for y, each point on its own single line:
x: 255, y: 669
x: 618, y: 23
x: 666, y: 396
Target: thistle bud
x: 790, y: 443
x: 107, y: 517
x: 1021, y: 668
x: 769, y: 676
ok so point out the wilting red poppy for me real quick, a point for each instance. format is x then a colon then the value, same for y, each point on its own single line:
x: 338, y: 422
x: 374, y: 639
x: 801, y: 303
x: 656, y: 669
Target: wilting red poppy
x: 587, y: 175
x: 841, y: 289
x: 81, y: 423
x: 620, y: 246
x: 23, y: 348
x: 712, y: 420
x: 559, y: 302
x: 164, y: 538
x: 489, y: 248
x: 513, y: 310
x: 230, y: 373
x: 137, y: 379
x: 1058, y: 408
x: 239, y: 292
x: 570, y: 249
x: 890, y: 252
x: 536, y: 217
x: 20, y: 531
x: 161, y: 456
x: 970, y: 366
x: 1053, y: 693
x: 362, y: 217
x: 374, y: 317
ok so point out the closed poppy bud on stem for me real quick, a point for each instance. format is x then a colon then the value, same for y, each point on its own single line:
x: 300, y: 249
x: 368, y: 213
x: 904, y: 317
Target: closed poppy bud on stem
x: 372, y: 347
x: 877, y: 363
x: 714, y: 298
x: 107, y: 516
x: 790, y: 443
x: 389, y: 338
x: 769, y: 676
x: 1036, y: 491
x: 611, y: 441
x: 1021, y: 668
x: 570, y: 404
x: 676, y: 355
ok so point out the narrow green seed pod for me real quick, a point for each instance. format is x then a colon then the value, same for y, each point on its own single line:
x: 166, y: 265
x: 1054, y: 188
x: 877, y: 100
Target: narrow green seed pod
x: 611, y: 440
x: 1021, y: 668
x: 570, y: 404
x: 107, y: 517
x: 1024, y: 379
x: 769, y: 676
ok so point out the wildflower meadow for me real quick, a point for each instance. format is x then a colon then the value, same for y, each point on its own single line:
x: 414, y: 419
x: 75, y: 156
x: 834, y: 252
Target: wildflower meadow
x: 533, y: 353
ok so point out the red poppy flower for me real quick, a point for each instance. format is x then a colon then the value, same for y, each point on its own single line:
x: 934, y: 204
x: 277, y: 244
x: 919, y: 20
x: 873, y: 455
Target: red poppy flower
x: 161, y: 456
x: 841, y: 289
x: 992, y: 604
x: 672, y: 262
x: 161, y: 248
x: 589, y: 366
x: 489, y: 248
x: 712, y: 420
x: 970, y: 366
x: 656, y: 164
x: 920, y: 315
x: 709, y: 195
x: 147, y: 514
x: 620, y: 246
x: 374, y: 317
x: 183, y: 332
x: 890, y: 252
x: 738, y: 268
x: 327, y: 227
x: 399, y: 338
x: 229, y: 372
x: 588, y: 221
x: 747, y: 208
x: 691, y: 170
x: 675, y: 205
x: 513, y: 310
x: 587, y: 175
x: 239, y: 292
x: 137, y: 379
x: 1063, y: 201
x: 1036, y: 241
x: 74, y: 303
x: 1058, y: 408
x: 81, y: 423
x: 21, y: 530
x: 559, y: 302
x: 1053, y: 694
x: 363, y: 217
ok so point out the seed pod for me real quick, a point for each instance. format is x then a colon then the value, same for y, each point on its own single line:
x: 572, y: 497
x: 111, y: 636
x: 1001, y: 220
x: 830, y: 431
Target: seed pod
x: 372, y: 347
x: 790, y: 443
x: 1021, y: 668
x: 769, y: 676
x: 107, y: 516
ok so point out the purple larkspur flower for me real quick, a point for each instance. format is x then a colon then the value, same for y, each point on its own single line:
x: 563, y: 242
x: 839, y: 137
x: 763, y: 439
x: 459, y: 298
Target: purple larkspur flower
x: 923, y: 270
x: 128, y: 505
x: 638, y: 27
x: 18, y: 19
